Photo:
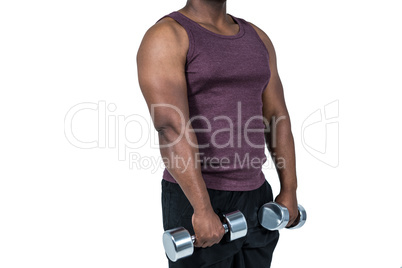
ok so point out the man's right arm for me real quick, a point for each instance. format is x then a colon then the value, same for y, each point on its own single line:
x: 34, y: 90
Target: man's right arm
x: 161, y: 63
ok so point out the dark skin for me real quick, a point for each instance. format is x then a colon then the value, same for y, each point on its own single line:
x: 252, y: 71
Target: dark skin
x: 161, y: 71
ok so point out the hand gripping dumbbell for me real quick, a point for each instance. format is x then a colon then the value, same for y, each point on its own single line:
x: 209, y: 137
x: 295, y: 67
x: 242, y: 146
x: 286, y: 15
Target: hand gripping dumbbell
x: 273, y: 216
x: 178, y: 242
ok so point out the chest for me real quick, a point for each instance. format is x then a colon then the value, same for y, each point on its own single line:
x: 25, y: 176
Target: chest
x: 226, y: 62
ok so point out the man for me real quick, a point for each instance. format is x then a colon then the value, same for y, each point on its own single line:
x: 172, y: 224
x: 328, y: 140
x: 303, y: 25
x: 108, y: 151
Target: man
x: 212, y: 87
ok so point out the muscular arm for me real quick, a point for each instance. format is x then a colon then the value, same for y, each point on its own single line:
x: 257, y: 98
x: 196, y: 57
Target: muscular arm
x: 279, y: 136
x: 161, y: 61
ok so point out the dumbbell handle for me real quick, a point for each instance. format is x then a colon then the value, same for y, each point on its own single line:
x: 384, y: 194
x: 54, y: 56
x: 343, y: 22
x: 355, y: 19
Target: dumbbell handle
x: 225, y: 226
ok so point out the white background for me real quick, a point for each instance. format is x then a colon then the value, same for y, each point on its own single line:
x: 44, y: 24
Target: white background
x: 63, y: 206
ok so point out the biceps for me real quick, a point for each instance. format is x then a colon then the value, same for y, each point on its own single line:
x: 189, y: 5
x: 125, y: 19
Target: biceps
x: 164, y: 89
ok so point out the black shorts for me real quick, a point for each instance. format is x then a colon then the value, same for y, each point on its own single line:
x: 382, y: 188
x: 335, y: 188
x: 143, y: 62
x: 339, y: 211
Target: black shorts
x: 252, y: 251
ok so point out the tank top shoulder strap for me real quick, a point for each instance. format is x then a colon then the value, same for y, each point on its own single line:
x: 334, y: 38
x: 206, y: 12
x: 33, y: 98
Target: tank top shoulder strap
x: 246, y: 25
x: 188, y: 25
x: 252, y: 33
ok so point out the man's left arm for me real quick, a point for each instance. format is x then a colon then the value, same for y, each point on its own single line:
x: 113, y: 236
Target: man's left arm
x: 279, y: 136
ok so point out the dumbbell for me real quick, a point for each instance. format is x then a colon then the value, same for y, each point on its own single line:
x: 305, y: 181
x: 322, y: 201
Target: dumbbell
x: 178, y: 242
x: 273, y: 216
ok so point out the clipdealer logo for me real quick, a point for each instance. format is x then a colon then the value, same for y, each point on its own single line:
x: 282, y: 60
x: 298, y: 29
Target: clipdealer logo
x: 320, y: 134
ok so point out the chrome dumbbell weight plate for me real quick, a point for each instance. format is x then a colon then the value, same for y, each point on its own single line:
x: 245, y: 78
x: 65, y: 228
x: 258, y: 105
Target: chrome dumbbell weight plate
x: 237, y: 225
x: 178, y: 243
x: 273, y: 216
x: 302, y: 219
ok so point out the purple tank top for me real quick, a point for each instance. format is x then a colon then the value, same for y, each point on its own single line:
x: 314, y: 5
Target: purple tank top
x: 226, y: 76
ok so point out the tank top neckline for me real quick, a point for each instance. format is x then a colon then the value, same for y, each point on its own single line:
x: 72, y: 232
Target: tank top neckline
x: 239, y: 34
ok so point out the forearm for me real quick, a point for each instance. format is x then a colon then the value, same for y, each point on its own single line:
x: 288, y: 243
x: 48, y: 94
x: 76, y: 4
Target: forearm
x: 181, y: 160
x: 281, y: 146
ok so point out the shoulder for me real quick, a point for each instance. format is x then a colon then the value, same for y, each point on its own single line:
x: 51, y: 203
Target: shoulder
x: 166, y: 35
x: 166, y: 30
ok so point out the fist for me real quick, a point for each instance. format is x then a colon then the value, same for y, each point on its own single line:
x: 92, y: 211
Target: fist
x: 208, y: 228
x: 288, y: 199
